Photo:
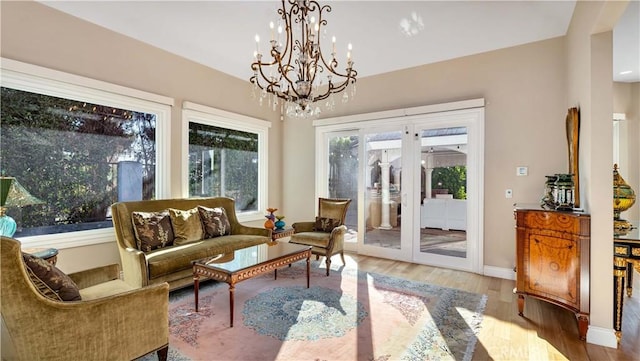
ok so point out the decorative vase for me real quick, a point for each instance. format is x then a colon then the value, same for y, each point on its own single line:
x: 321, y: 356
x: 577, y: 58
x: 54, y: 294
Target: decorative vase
x: 623, y: 198
x: 559, y: 192
x: 269, y: 223
x: 279, y: 223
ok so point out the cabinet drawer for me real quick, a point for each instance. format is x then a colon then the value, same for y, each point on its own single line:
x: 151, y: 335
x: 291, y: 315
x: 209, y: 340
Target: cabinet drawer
x: 552, y: 221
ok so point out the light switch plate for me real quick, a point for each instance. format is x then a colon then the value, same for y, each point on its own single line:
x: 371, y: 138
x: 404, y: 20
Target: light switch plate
x: 522, y: 171
x: 508, y: 193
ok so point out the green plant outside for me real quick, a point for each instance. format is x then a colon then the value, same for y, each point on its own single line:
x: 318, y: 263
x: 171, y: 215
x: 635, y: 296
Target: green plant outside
x: 452, y: 178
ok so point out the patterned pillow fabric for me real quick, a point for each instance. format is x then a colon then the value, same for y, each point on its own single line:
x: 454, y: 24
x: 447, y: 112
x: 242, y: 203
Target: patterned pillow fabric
x: 187, y: 226
x: 215, y: 221
x: 153, y: 230
x: 49, y: 280
x: 326, y: 224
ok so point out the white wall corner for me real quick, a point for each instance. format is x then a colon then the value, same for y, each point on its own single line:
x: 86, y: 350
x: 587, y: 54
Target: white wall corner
x: 499, y: 272
x: 602, y: 336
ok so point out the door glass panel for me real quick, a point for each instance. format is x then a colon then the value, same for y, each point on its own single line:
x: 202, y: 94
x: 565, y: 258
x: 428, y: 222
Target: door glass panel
x: 382, y: 194
x: 443, y: 203
x: 343, y: 178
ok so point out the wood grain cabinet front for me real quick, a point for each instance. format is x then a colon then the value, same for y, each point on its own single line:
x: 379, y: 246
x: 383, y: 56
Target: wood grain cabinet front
x: 552, y: 260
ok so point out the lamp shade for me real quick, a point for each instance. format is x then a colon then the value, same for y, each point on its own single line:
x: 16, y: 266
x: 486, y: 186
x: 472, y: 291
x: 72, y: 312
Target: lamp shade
x: 12, y: 194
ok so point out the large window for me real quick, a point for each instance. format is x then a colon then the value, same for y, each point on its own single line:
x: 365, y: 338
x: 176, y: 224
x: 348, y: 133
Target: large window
x: 227, y: 157
x: 78, y: 150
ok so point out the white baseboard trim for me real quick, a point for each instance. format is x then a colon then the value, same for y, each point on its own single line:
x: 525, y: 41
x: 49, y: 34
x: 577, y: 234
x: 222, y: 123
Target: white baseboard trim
x: 499, y: 272
x: 602, y: 336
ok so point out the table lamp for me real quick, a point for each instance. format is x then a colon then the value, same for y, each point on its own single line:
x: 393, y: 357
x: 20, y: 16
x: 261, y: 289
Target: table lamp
x: 12, y: 194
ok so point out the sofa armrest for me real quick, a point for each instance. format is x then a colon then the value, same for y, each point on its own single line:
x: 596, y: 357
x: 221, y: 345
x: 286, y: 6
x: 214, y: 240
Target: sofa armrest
x: 303, y: 227
x: 94, y: 276
x: 134, y: 266
x: 336, y: 242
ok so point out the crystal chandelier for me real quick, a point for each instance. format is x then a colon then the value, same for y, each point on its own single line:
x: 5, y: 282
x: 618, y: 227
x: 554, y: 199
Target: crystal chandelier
x: 298, y: 72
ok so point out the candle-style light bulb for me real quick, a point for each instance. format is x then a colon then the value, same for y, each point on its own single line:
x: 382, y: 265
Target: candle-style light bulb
x: 333, y: 40
x: 349, y: 48
x: 257, y: 43
x: 271, y: 26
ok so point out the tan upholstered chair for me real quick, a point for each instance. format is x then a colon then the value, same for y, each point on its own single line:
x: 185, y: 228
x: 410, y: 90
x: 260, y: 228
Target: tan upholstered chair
x: 324, y: 242
x: 111, y: 322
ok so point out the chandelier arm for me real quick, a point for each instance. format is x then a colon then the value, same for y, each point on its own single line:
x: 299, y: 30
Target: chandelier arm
x: 269, y: 86
x: 288, y: 49
x: 318, y: 55
x: 334, y: 89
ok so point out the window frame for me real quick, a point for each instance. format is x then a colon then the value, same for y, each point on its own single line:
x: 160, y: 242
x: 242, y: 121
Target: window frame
x: 197, y: 113
x: 37, y: 79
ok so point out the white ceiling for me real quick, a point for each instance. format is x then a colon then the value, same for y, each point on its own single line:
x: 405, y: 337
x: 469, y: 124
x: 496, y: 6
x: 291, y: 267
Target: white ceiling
x: 386, y: 35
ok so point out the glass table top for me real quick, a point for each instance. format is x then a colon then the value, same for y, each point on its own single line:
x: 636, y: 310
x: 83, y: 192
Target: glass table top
x: 248, y: 257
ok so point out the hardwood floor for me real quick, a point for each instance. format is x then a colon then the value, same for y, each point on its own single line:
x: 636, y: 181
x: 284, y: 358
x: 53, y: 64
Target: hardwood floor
x: 547, y: 332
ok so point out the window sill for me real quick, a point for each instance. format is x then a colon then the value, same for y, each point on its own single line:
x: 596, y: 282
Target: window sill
x: 69, y: 239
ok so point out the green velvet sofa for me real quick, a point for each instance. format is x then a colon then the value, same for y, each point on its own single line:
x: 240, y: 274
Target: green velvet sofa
x: 172, y: 264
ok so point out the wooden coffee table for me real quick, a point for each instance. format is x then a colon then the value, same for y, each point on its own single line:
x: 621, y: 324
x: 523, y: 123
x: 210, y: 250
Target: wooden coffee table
x: 246, y: 263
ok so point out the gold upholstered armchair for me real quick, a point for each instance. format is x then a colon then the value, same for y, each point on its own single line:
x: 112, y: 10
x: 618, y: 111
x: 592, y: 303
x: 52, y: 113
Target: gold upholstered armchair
x: 110, y: 321
x: 326, y: 233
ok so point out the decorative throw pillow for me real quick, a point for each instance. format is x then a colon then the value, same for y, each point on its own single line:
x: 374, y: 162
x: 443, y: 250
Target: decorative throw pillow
x: 49, y: 280
x: 152, y: 229
x: 326, y: 224
x: 187, y: 226
x: 215, y: 221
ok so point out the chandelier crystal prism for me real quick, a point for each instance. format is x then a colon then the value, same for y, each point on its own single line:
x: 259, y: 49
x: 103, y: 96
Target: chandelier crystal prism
x: 298, y: 73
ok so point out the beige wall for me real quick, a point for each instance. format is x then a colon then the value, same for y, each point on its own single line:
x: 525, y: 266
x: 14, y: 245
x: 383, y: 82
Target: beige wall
x: 525, y: 92
x: 36, y: 34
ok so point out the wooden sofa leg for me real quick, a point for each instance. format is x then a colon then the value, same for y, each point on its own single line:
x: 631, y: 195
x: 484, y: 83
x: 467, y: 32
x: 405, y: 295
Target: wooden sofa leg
x: 163, y: 353
x: 342, y: 256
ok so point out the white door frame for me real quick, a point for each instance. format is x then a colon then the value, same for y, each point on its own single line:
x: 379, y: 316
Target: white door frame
x: 410, y: 116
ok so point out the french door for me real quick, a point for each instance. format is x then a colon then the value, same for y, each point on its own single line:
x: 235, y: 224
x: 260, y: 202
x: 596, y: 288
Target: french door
x: 448, y: 210
x: 386, y: 183
x: 418, y: 191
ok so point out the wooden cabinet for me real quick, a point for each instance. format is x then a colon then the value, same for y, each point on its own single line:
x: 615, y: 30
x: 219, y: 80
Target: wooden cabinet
x: 552, y: 260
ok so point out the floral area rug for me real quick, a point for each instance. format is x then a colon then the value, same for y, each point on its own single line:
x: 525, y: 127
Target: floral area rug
x: 350, y: 315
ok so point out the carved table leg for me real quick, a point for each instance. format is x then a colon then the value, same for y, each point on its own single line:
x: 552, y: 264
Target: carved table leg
x: 308, y: 269
x: 629, y: 279
x: 196, y: 288
x: 520, y: 305
x: 619, y: 272
x: 232, y: 289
